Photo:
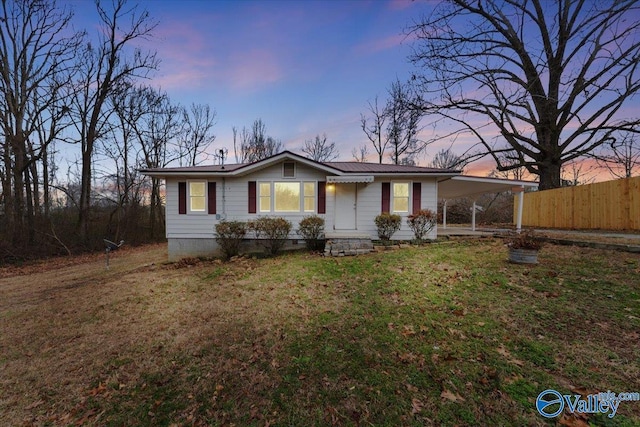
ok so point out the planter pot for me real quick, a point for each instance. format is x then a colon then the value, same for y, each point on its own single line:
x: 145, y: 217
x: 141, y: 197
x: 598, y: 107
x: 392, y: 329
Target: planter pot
x: 523, y: 256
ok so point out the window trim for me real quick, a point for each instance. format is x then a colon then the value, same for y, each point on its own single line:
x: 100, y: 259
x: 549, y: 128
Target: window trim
x: 393, y: 197
x: 304, y: 196
x: 260, y: 197
x: 204, y: 197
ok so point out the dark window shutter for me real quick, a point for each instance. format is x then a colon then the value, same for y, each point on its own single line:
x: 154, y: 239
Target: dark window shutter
x: 417, y: 196
x: 211, y: 197
x: 182, y: 198
x: 252, y: 197
x: 322, y: 197
x: 386, y: 197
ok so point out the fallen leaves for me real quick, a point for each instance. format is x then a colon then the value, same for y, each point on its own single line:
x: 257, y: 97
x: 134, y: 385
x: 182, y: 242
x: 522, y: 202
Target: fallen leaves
x: 451, y: 396
x: 502, y: 350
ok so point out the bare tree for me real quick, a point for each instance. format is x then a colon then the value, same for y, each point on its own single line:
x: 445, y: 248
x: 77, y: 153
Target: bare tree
x: 36, y: 61
x: 236, y: 148
x: 576, y: 173
x: 161, y: 126
x: 105, y: 69
x: 196, y: 136
x: 512, y: 172
x: 123, y: 179
x: 255, y: 144
x: 360, y: 154
x: 620, y: 156
x: 153, y: 123
x: 403, y: 125
x: 447, y: 159
x: 549, y: 77
x: 374, y: 127
x: 319, y: 149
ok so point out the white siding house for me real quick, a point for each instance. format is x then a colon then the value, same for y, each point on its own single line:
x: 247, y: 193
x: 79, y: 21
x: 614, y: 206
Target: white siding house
x: 348, y: 195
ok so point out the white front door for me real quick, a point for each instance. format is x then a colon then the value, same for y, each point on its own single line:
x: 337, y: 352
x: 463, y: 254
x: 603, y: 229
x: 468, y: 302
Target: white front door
x: 345, y: 211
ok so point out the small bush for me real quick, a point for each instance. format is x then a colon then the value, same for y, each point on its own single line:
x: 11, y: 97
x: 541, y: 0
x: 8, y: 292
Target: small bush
x: 272, y: 232
x: 422, y: 222
x: 387, y: 225
x: 311, y: 228
x: 229, y: 235
x: 525, y: 240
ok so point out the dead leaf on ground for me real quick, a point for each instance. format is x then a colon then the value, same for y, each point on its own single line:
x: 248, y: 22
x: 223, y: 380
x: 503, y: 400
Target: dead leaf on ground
x: 450, y: 396
x: 411, y: 388
x: 416, y: 406
x: 408, y: 330
x: 507, y: 355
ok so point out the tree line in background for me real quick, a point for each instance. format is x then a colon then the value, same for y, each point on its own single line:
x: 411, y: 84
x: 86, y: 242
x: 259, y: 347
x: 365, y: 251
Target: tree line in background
x: 82, y: 93
x: 546, y: 104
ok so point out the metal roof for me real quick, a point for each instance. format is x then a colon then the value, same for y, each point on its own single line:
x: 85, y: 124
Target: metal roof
x: 336, y: 168
x: 360, y: 167
x: 469, y: 186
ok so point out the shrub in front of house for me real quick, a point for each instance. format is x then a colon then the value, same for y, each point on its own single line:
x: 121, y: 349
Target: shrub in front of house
x: 387, y: 225
x: 272, y: 232
x: 229, y: 235
x: 311, y: 228
x: 421, y: 223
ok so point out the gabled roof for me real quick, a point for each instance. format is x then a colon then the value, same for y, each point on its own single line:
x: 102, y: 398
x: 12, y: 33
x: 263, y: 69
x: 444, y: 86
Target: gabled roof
x: 331, y: 168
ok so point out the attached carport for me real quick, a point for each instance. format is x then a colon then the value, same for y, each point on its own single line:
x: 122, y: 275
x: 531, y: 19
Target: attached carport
x: 472, y: 187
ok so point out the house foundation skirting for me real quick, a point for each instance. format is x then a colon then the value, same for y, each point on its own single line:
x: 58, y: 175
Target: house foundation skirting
x: 345, y: 246
x: 179, y: 248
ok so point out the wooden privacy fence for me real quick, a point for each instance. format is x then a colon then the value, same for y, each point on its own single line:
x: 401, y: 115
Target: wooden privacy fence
x: 610, y: 205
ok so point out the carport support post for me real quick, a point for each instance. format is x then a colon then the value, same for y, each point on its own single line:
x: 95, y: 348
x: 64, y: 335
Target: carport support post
x: 473, y: 217
x: 520, y: 192
x: 444, y: 214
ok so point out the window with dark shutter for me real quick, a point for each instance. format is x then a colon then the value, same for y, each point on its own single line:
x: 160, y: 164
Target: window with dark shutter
x: 211, y: 197
x: 417, y: 196
x: 322, y: 197
x: 386, y: 197
x: 182, y: 198
x: 252, y: 197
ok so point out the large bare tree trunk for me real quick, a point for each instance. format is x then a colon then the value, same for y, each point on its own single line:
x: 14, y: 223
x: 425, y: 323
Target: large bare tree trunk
x: 535, y: 83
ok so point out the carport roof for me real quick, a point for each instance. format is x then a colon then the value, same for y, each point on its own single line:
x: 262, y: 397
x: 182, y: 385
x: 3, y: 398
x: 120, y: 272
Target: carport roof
x: 470, y: 186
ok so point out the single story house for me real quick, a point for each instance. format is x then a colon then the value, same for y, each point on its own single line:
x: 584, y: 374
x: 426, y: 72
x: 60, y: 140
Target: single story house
x: 348, y: 195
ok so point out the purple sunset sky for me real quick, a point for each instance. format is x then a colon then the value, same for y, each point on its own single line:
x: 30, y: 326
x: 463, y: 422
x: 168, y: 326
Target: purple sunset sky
x: 304, y: 67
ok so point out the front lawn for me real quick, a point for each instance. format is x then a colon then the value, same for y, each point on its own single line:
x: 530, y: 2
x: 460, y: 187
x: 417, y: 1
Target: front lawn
x: 448, y: 334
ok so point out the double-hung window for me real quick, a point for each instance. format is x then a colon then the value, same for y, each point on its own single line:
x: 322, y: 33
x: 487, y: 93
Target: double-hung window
x: 265, y: 197
x: 309, y: 196
x: 197, y: 196
x: 400, y: 197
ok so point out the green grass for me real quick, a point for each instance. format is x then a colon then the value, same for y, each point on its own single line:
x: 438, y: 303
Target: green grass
x: 444, y: 334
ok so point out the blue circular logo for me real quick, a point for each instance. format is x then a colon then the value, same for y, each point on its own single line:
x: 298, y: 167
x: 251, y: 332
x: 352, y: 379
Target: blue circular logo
x: 546, y: 401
